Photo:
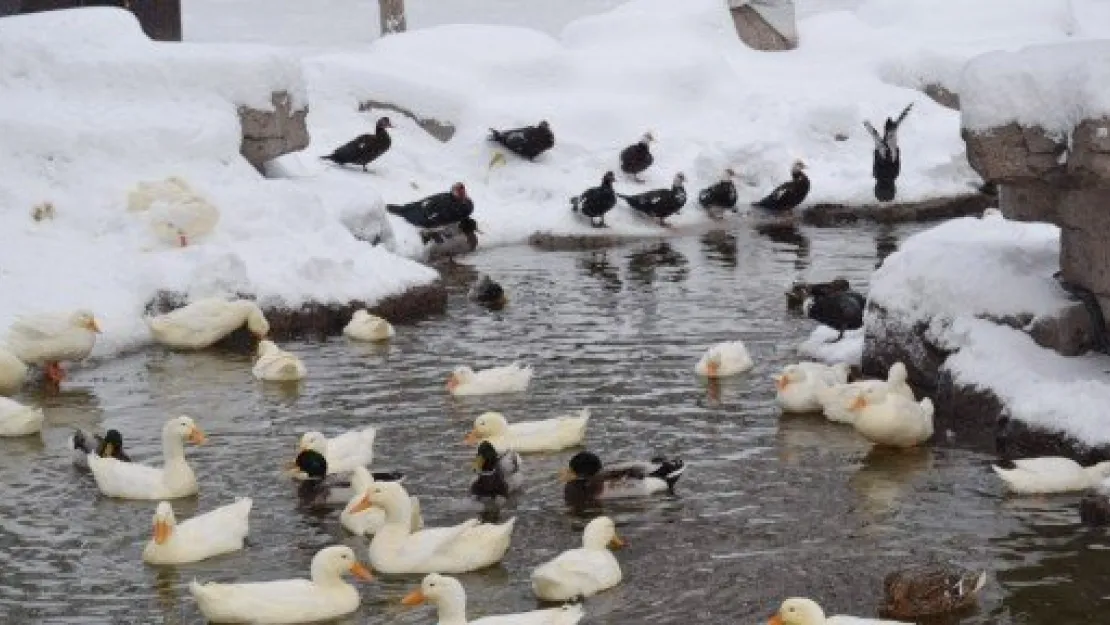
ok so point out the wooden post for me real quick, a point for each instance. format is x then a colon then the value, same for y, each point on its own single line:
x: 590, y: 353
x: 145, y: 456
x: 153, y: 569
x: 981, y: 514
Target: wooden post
x: 392, y: 16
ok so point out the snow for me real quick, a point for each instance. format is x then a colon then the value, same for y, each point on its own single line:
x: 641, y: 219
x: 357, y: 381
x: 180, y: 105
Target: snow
x: 1053, y: 86
x: 819, y: 346
x: 84, y: 123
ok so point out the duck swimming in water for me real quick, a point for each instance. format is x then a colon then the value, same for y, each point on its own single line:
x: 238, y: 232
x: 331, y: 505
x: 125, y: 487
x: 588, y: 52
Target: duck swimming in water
x: 317, y: 489
x: 498, y: 473
x: 587, y: 482
x: 363, y: 149
x: 788, y: 195
x: 108, y: 446
x: 488, y: 292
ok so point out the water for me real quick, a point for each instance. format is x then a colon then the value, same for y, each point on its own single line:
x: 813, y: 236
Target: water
x: 769, y: 507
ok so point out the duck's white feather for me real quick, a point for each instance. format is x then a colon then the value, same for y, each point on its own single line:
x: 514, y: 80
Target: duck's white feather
x: 366, y: 327
x: 732, y: 358
x: 277, y: 365
x: 512, y: 378
x: 51, y: 338
x: 213, y: 533
x: 12, y: 372
x: 1051, y: 474
x: 19, y: 420
x: 205, y: 322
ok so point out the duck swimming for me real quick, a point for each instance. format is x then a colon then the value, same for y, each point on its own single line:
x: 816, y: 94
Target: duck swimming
x: 596, y: 201
x: 498, y: 473
x: 363, y: 149
x: 488, y: 292
x: 108, y: 446
x: 925, y: 591
x: 587, y: 482
x: 318, y: 489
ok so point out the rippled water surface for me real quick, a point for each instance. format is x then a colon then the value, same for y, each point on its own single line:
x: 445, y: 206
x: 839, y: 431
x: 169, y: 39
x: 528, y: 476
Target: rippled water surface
x: 769, y: 507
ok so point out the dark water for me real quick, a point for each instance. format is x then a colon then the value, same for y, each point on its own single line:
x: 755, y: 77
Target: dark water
x: 769, y: 507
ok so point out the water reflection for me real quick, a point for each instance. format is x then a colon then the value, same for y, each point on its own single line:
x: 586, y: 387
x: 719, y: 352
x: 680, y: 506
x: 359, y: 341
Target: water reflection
x: 596, y: 265
x: 884, y: 479
x: 886, y: 242
x: 720, y: 247
x: 788, y: 234
x: 655, y: 260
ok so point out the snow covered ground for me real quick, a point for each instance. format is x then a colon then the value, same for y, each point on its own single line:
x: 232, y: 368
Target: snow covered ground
x: 958, y: 276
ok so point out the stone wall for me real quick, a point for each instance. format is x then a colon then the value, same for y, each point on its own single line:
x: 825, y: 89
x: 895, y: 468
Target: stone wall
x: 765, y: 24
x: 269, y: 134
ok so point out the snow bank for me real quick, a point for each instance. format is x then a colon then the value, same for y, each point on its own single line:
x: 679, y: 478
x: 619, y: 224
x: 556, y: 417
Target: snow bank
x: 84, y: 122
x: 819, y: 346
x: 1054, y: 87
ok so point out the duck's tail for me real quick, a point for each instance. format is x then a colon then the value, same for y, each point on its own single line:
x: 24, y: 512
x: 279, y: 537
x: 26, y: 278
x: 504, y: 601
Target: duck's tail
x: 574, y: 203
x: 668, y: 470
x: 80, y: 442
x: 396, y: 209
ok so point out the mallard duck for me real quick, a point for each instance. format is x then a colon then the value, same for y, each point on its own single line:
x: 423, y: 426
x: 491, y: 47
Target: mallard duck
x: 447, y: 594
x: 277, y: 365
x: 512, y: 378
x: 836, y: 400
x: 47, y: 340
x: 802, y: 611
x: 363, y: 149
x: 108, y: 446
x: 636, y: 158
x: 582, y: 572
x: 396, y: 549
x: 1051, y: 474
x: 891, y: 420
x: 525, y: 437
x: 724, y: 360
x: 127, y: 480
x: 929, y: 590
x: 12, y: 372
x: 367, y: 522
x: 367, y: 327
x: 587, y: 482
x: 19, y: 420
x: 787, y: 195
x: 317, y: 489
x: 207, y: 535
x: 205, y: 322
x: 326, y: 596
x: 527, y: 142
x: 353, y: 448
x: 499, y: 473
x: 488, y: 292
x: 798, y: 384
x: 595, y: 202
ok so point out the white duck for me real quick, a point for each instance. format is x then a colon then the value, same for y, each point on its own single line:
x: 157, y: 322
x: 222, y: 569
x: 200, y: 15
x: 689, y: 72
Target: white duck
x: 12, y: 372
x: 525, y: 437
x: 368, y: 521
x: 130, y: 480
x: 512, y: 378
x: 835, y: 400
x: 1051, y: 474
x: 891, y: 420
x: 277, y: 365
x: 798, y: 384
x: 724, y: 360
x: 396, y: 549
x: 802, y: 611
x: 367, y: 327
x: 48, y: 340
x: 178, y: 214
x: 204, y: 536
x: 351, y: 449
x: 19, y: 420
x: 205, y: 322
x: 326, y: 596
x: 585, y: 571
x: 449, y: 598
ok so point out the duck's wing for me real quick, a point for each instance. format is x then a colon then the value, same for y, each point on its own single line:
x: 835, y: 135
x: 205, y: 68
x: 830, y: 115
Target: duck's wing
x: 431, y: 542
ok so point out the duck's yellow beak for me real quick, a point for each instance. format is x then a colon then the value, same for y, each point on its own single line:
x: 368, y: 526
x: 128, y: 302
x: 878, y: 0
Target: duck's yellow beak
x: 566, y: 475
x: 775, y: 620
x: 162, y: 531
x: 197, y: 436
x: 415, y: 597
x: 361, y: 572
x: 93, y: 326
x: 472, y: 438
x: 859, y: 403
x: 476, y: 464
x: 617, y: 542
x: 362, y: 504
x: 781, y: 382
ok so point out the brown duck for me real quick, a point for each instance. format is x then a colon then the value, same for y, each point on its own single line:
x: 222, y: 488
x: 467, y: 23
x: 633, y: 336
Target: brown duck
x: 930, y: 590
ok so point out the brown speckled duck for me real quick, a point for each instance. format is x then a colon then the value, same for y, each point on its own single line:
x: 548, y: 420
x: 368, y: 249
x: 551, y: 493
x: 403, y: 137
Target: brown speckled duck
x: 930, y: 590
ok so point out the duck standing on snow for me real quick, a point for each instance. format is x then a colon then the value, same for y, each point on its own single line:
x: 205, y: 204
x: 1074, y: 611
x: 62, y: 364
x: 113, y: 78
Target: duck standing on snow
x: 788, y: 195
x: 363, y: 149
x: 19, y: 420
x: 47, y: 340
x: 596, y: 201
x: 488, y: 293
x: 585, y: 571
x: 839, y: 310
x: 499, y: 473
x: 205, y: 322
x: 449, y: 242
x: 587, y: 482
x: 326, y: 596
x: 277, y: 365
x: 660, y: 203
x: 636, y: 158
x: 803, y: 611
x: 449, y: 598
x: 108, y: 446
x: 527, y: 142
x: 926, y: 591
x: 512, y: 378
x: 1051, y: 474
x: 207, y: 535
x: 724, y: 360
x: 887, y: 161
x: 12, y: 372
x: 525, y: 437
x: 367, y: 327
x: 438, y: 210
x: 720, y: 195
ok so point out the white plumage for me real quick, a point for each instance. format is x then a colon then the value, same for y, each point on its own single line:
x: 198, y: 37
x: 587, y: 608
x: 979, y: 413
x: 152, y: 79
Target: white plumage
x: 213, y: 533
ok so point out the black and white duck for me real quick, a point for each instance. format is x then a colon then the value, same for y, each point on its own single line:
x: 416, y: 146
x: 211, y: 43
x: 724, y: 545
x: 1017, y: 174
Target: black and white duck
x: 363, y: 149
x: 660, y: 203
x: 451, y: 241
x: 932, y: 590
x: 835, y: 306
x: 596, y: 201
x: 438, y: 210
x: 887, y: 158
x: 587, y: 482
x: 636, y: 158
x: 721, y: 194
x: 108, y: 446
x: 488, y: 292
x: 788, y: 195
x: 499, y: 474
x: 799, y: 292
x: 316, y: 489
x: 527, y: 142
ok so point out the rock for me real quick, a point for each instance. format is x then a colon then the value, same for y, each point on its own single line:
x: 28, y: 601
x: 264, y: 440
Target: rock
x: 898, y: 212
x: 568, y: 242
x: 1012, y: 154
x: 767, y: 25
x: 441, y: 130
x: 270, y: 134
x: 1069, y: 332
x: 1094, y: 510
x: 942, y: 95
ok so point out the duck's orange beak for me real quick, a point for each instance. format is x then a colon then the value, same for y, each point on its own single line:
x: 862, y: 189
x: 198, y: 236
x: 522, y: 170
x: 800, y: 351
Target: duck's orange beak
x: 859, y: 403
x: 775, y: 620
x: 361, y: 505
x: 162, y: 531
x: 94, y: 326
x: 452, y: 383
x: 617, y: 542
x: 197, y: 436
x: 415, y: 597
x: 781, y: 382
x: 566, y: 475
x: 712, y: 368
x: 361, y: 572
x: 472, y: 438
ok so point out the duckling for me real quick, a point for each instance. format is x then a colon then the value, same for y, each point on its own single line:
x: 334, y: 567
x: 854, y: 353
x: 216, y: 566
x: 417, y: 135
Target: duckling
x: 108, y: 446
x: 488, y: 292
x: 587, y: 482
x: 498, y: 474
x: 929, y: 590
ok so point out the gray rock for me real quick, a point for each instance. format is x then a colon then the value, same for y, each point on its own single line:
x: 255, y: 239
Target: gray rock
x: 270, y: 134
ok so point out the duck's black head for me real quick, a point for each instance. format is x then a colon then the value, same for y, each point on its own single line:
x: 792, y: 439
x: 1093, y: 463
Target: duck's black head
x: 313, y: 464
x: 608, y: 179
x: 114, y: 438
x: 384, y: 123
x: 487, y: 455
x: 543, y: 124
x: 585, y: 464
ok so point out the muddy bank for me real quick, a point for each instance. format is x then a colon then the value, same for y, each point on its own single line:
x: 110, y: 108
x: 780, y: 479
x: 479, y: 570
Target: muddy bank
x: 550, y: 242
x: 899, y: 212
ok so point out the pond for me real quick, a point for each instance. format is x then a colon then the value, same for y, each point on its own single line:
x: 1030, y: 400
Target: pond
x: 769, y: 507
